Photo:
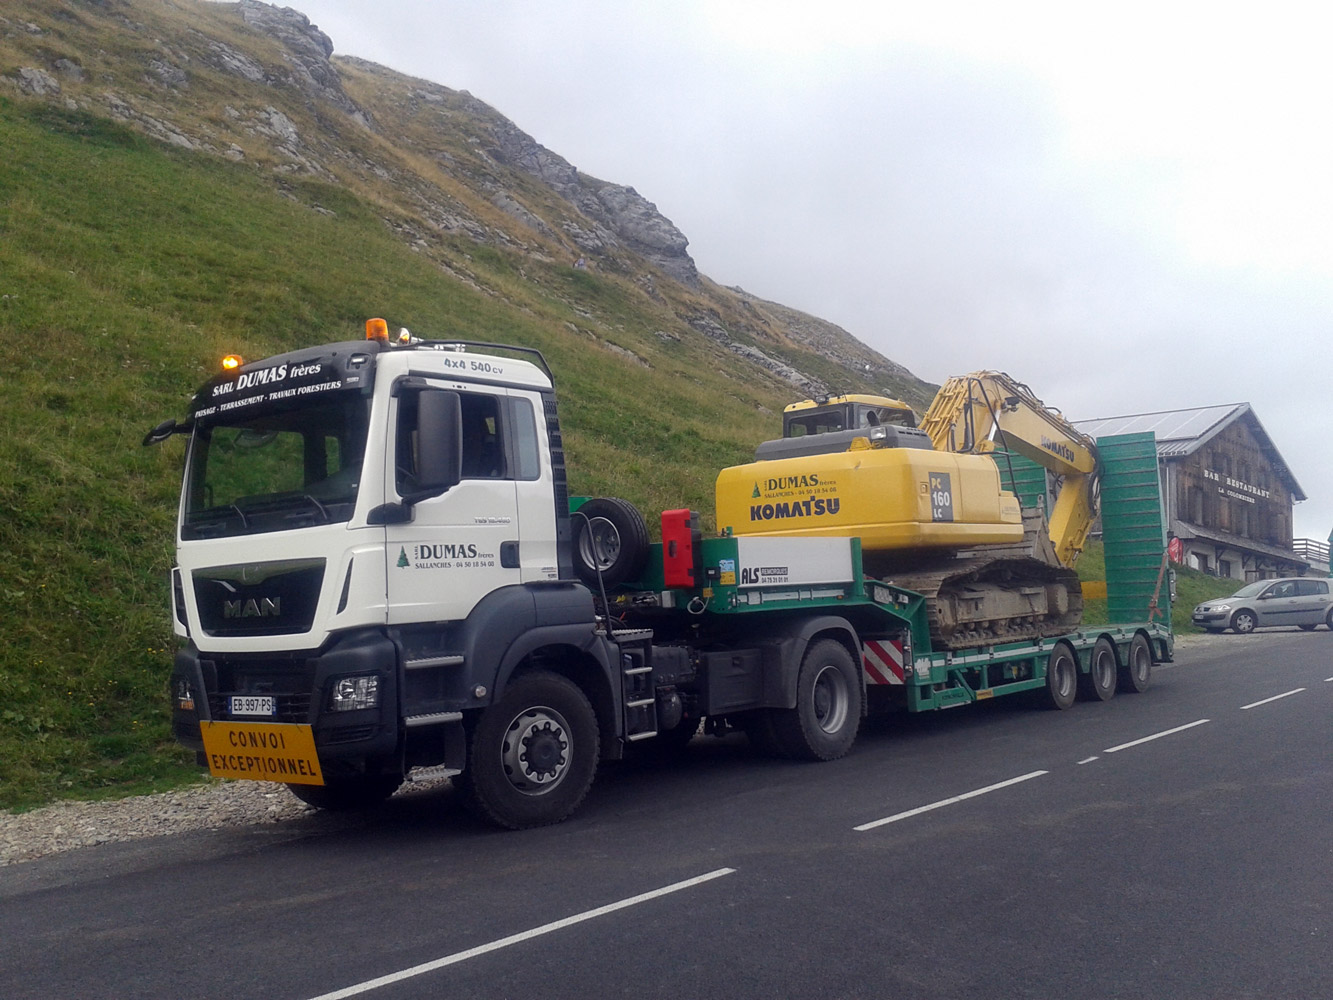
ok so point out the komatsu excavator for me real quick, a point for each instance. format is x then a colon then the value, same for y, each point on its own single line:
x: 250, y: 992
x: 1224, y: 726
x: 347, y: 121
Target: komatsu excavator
x: 927, y: 501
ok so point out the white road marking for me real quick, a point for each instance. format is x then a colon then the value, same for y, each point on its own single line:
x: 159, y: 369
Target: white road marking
x: 947, y: 802
x: 1155, y: 736
x: 1275, y: 697
x: 463, y: 956
x: 1088, y: 760
x: 1328, y: 680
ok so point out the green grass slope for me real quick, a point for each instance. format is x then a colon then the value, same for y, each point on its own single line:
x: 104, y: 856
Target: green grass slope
x: 1192, y: 588
x: 127, y: 268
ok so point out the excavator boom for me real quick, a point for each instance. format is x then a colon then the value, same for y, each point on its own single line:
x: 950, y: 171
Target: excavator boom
x: 987, y: 410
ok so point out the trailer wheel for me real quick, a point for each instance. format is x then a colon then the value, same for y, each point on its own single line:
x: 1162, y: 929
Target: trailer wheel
x: 1098, y: 684
x: 1061, y: 678
x: 532, y: 754
x: 827, y: 715
x: 347, y: 794
x: 1136, y: 674
x: 610, y: 536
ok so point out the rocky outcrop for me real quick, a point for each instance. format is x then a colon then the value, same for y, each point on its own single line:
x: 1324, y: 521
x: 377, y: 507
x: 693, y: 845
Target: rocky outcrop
x: 307, y: 51
x: 620, y: 215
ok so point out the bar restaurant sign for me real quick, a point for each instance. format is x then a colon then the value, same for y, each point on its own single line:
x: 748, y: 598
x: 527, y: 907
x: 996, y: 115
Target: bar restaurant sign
x: 1236, y: 489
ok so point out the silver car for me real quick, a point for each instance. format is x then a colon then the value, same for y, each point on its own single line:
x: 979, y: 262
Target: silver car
x: 1302, y: 601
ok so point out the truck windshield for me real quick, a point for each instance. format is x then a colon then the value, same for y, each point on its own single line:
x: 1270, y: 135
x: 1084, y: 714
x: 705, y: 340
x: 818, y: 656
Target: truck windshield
x: 277, y: 468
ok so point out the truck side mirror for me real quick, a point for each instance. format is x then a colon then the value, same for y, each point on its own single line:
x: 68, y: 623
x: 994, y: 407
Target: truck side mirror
x: 439, y: 443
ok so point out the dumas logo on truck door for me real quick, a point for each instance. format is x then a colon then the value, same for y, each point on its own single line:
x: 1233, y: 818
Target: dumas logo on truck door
x: 444, y: 555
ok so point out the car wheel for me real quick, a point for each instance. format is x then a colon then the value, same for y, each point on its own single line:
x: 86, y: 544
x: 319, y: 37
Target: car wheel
x: 1328, y: 619
x: 1243, y: 622
x: 1307, y: 628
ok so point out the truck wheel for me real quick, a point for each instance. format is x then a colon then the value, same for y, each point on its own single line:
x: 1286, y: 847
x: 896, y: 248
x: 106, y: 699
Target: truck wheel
x: 532, y: 754
x: 1136, y: 674
x: 1243, y: 621
x: 1098, y: 684
x: 346, y: 794
x: 827, y: 715
x: 1061, y: 678
x: 609, y: 535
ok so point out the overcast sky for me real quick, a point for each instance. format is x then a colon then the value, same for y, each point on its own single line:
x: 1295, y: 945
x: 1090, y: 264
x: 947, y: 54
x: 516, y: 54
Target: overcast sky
x: 1128, y: 207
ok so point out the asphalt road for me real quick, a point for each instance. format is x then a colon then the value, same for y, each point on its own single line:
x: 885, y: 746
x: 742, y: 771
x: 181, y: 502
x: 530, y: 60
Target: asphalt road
x: 1174, y: 844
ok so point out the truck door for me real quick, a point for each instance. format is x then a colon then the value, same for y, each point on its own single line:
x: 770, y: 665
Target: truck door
x: 531, y: 468
x: 463, y: 544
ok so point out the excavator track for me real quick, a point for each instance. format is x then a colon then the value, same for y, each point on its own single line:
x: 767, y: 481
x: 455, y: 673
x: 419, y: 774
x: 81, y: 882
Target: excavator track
x: 989, y: 594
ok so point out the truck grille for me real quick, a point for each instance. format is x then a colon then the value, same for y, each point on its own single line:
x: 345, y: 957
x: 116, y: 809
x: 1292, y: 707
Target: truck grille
x: 273, y: 598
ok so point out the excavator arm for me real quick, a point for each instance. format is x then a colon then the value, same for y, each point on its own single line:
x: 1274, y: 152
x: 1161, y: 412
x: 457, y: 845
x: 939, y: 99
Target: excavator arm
x: 986, y: 410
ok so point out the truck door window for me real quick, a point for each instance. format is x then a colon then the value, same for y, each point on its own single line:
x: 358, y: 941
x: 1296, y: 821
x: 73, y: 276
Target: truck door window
x: 523, y: 434
x: 483, y: 450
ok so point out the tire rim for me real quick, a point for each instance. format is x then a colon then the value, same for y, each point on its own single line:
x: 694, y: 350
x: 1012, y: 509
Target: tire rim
x: 1103, y: 669
x: 1064, y: 676
x: 1142, y: 660
x: 830, y: 699
x: 599, y: 544
x: 536, y: 753
x: 1244, y: 623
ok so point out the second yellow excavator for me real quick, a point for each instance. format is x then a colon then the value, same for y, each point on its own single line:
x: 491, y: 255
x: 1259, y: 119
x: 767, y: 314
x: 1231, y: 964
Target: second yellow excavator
x: 928, y: 504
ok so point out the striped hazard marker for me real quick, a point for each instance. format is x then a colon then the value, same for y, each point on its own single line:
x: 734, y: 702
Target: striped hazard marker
x: 883, y: 661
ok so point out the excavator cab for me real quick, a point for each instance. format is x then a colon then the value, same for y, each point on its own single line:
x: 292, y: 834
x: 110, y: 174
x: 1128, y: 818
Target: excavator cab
x: 826, y: 414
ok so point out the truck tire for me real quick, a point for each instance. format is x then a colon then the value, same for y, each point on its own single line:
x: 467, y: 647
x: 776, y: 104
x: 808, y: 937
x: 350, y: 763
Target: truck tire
x: 1136, y: 673
x: 827, y: 715
x: 347, y: 794
x: 1098, y: 684
x: 609, y: 535
x: 532, y: 755
x: 1061, y: 678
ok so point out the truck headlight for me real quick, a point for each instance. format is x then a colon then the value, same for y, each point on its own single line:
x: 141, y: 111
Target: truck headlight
x: 354, y: 692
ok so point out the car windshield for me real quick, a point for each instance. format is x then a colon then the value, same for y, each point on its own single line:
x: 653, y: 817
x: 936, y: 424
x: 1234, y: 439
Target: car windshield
x: 283, y: 466
x: 1252, y: 589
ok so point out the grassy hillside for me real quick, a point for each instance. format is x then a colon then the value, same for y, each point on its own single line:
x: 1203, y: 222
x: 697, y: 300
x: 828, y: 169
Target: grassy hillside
x: 1192, y: 588
x: 127, y: 267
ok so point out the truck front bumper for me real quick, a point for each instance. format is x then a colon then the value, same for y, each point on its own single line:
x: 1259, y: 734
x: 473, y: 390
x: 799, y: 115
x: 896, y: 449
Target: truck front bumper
x: 301, y: 686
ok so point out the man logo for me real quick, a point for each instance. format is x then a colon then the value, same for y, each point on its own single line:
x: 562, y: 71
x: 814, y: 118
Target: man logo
x: 263, y: 607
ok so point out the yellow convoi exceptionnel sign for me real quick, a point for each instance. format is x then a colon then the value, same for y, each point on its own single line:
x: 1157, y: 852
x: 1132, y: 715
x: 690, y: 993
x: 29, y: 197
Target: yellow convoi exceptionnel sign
x: 262, y: 751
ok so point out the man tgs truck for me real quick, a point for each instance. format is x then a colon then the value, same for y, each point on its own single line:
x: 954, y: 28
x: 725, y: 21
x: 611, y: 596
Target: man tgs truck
x: 380, y: 575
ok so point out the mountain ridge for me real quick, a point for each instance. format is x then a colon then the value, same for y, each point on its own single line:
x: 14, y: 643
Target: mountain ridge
x: 259, y: 83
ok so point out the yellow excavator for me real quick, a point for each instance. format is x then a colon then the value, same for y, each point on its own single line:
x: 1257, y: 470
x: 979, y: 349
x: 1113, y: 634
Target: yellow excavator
x: 927, y: 501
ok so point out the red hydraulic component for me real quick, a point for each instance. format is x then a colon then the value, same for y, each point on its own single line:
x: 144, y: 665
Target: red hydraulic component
x: 682, y: 545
